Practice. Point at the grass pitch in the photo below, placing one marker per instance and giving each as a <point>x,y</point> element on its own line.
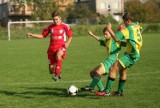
<point>26,83</point>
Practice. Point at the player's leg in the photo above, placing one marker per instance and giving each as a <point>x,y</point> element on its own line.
<point>51,68</point>
<point>96,75</point>
<point>106,65</point>
<point>111,67</point>
<point>124,63</point>
<point>58,66</point>
<point>122,81</point>
<point>112,75</point>
<point>51,63</point>
<point>110,81</point>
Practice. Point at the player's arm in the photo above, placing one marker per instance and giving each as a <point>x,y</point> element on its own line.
<point>69,35</point>
<point>31,35</point>
<point>109,28</point>
<point>68,42</point>
<point>45,32</point>
<point>93,35</point>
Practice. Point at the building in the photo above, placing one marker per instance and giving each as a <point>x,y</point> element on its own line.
<point>20,12</point>
<point>105,7</point>
<point>13,11</point>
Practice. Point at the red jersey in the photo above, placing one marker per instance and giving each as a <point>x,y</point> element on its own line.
<point>58,34</point>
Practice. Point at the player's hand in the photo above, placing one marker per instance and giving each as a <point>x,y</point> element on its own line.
<point>29,35</point>
<point>109,26</point>
<point>66,45</point>
<point>90,33</point>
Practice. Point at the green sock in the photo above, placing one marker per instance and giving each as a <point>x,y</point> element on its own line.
<point>94,82</point>
<point>100,85</point>
<point>121,86</point>
<point>109,84</point>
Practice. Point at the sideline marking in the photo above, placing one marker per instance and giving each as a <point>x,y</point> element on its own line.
<point>76,81</point>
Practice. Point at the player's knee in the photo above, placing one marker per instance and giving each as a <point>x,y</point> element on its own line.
<point>123,75</point>
<point>99,73</point>
<point>111,68</point>
<point>59,55</point>
<point>114,68</point>
<point>92,73</point>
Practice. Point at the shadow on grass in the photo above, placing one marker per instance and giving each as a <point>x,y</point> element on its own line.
<point>13,93</point>
<point>33,92</point>
<point>59,92</point>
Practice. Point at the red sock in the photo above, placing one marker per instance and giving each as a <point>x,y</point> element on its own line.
<point>58,67</point>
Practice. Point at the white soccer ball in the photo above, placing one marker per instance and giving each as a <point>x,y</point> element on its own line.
<point>72,90</point>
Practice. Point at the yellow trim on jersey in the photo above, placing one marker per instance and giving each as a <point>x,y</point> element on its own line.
<point>125,33</point>
<point>103,67</point>
<point>121,63</point>
<point>108,45</point>
<point>128,48</point>
<point>117,56</point>
<point>118,44</point>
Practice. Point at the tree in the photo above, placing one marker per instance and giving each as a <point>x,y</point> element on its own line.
<point>137,10</point>
<point>43,9</point>
<point>147,11</point>
<point>153,9</point>
<point>80,11</point>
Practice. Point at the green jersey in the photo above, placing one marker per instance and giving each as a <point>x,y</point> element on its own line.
<point>113,49</point>
<point>133,37</point>
<point>112,46</point>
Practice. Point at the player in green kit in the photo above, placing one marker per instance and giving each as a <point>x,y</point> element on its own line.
<point>113,49</point>
<point>132,35</point>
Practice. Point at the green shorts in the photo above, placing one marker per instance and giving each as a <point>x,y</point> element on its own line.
<point>109,62</point>
<point>127,61</point>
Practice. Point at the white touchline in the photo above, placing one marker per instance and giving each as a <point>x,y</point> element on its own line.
<point>78,81</point>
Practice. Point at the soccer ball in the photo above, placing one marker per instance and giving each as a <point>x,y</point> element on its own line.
<point>72,90</point>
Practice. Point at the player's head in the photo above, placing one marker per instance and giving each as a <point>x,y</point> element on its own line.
<point>106,33</point>
<point>56,17</point>
<point>127,18</point>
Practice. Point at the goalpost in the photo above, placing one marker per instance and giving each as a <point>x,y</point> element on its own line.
<point>23,22</point>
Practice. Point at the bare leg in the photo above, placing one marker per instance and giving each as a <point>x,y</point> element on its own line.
<point>51,69</point>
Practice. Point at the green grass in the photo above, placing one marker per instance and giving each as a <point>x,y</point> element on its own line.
<point>26,83</point>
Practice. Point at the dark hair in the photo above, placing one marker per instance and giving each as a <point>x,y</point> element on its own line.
<point>127,16</point>
<point>55,13</point>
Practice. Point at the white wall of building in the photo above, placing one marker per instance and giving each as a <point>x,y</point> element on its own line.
<point>3,1</point>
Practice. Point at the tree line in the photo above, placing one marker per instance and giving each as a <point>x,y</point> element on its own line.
<point>145,12</point>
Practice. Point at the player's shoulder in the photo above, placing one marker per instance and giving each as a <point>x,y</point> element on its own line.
<point>124,31</point>
<point>65,25</point>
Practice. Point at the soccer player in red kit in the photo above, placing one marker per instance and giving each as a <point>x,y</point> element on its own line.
<point>57,49</point>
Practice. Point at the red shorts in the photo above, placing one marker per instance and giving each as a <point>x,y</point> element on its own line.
<point>52,55</point>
